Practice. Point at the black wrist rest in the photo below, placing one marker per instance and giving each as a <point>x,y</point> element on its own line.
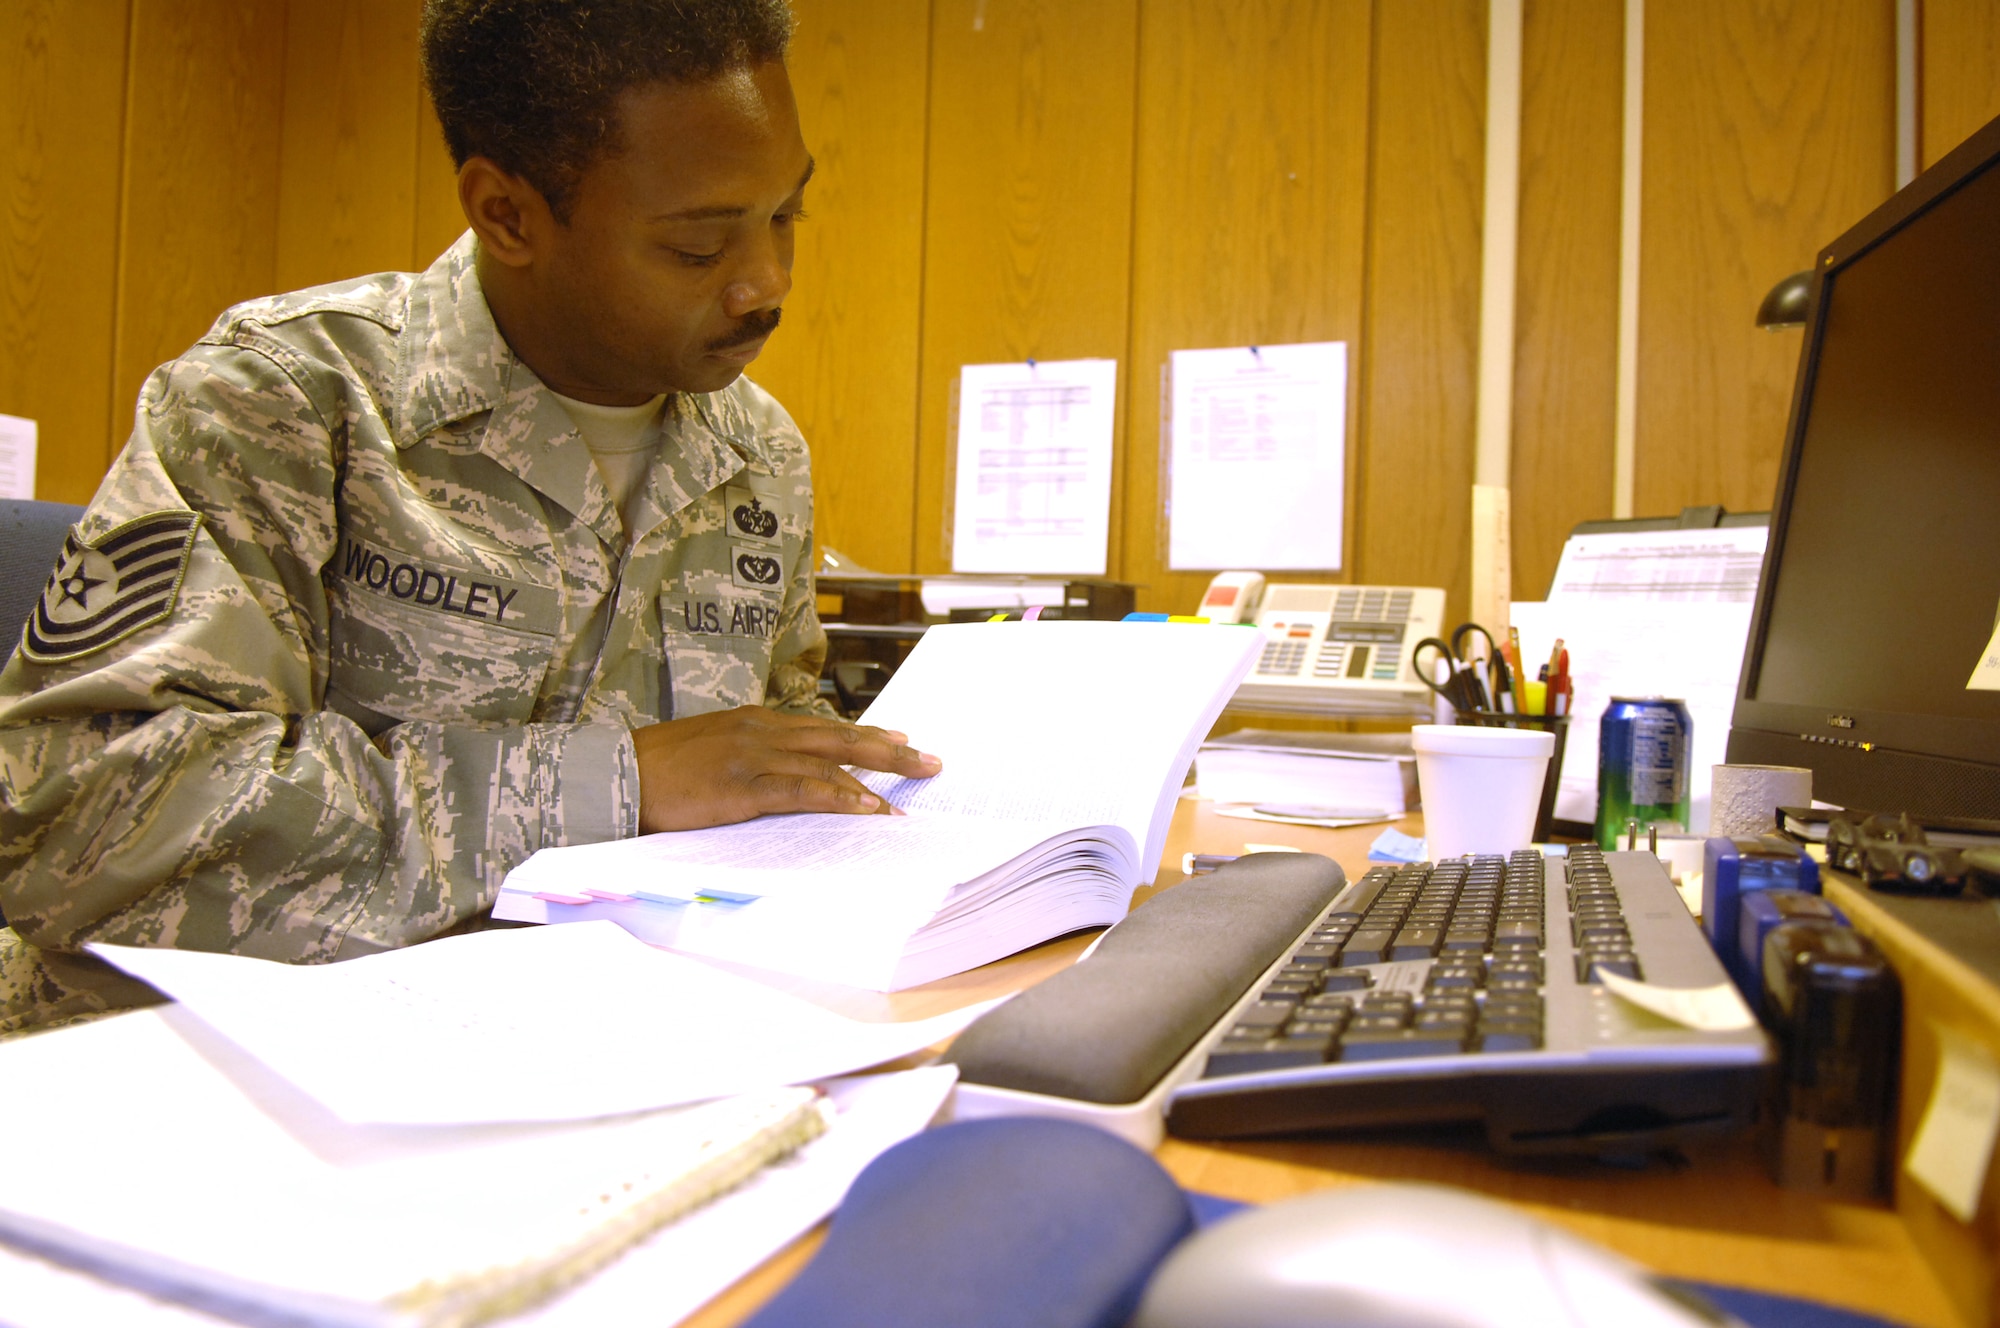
<point>1106,1029</point>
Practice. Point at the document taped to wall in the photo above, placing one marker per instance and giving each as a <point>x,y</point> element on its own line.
<point>1257,457</point>
<point>1032,491</point>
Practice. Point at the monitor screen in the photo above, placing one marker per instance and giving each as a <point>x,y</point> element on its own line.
<point>1881,584</point>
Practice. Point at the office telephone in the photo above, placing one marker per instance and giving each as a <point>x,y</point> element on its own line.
<point>1336,650</point>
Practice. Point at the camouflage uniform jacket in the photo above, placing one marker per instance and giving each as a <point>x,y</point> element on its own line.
<point>352,627</point>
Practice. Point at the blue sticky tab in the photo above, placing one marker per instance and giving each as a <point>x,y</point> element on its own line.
<point>1395,846</point>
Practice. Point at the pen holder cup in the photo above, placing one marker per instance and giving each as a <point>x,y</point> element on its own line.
<point>1556,724</point>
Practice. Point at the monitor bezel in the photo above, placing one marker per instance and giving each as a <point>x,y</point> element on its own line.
<point>1812,734</point>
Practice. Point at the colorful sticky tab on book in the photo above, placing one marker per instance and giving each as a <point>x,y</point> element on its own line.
<point>551,897</point>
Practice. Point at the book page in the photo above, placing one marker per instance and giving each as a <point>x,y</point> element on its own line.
<point>918,858</point>
<point>1087,723</point>
<point>536,1024</point>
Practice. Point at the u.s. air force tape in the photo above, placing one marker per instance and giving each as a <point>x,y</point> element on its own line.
<point>103,591</point>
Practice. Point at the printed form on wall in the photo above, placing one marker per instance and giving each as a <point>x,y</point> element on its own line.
<point>1257,457</point>
<point>17,457</point>
<point>1033,487</point>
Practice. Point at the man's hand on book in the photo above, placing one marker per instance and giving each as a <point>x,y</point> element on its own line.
<point>731,765</point>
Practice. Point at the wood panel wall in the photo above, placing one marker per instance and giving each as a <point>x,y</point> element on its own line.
<point>1002,179</point>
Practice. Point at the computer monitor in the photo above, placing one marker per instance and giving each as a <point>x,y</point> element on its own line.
<point>1881,581</point>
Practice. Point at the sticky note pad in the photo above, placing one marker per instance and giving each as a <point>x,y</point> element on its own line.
<point>1717,1009</point>
<point>1954,1145</point>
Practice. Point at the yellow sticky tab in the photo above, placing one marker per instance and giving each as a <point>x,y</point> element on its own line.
<point>1954,1145</point>
<point>1986,673</point>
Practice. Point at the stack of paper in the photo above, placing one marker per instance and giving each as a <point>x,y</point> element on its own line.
<point>423,1137</point>
<point>1345,775</point>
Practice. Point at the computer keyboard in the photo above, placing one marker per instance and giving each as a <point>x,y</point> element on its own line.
<point>1468,990</point>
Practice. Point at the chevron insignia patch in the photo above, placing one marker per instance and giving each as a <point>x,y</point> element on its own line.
<point>104,591</point>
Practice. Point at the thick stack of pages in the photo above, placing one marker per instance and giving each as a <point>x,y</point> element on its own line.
<point>186,1171</point>
<point>1064,746</point>
<point>1345,774</point>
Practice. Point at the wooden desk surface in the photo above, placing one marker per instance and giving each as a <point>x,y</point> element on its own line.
<point>1717,1218</point>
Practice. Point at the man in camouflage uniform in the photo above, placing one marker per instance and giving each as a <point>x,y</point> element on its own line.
<point>356,623</point>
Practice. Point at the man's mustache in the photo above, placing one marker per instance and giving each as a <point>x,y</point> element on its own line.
<point>755,327</point>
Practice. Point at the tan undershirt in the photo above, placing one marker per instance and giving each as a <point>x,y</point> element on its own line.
<point>621,440</point>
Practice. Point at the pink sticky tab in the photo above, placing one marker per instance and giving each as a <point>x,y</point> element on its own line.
<point>609,896</point>
<point>549,898</point>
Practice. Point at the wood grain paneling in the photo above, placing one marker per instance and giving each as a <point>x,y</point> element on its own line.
<point>1566,300</point>
<point>199,214</point>
<point>348,167</point>
<point>62,99</point>
<point>1028,209</point>
<point>845,364</point>
<point>1770,129</point>
<point>1959,72</point>
<point>1250,213</point>
<point>1420,351</point>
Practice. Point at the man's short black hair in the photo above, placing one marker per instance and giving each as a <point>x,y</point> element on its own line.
<point>533,84</point>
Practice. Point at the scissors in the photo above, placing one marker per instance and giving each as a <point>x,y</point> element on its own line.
<point>1462,686</point>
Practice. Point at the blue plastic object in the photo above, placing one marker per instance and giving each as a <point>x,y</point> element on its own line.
<point>1757,913</point>
<point>1020,1220</point>
<point>1732,868</point>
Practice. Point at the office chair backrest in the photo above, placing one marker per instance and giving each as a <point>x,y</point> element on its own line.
<point>31,538</point>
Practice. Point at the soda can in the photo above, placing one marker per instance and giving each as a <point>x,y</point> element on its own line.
<point>1643,745</point>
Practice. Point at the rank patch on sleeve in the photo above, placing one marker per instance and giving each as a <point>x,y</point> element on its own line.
<point>104,591</point>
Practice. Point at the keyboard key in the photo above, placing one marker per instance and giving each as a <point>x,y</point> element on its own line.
<point>1622,962</point>
<point>1352,979</point>
<point>1366,947</point>
<point>1378,1022</point>
<point>1285,988</point>
<point>1269,1015</point>
<point>1525,1037</point>
<point>1227,1059</point>
<point>1416,943</point>
<point>1398,1044</point>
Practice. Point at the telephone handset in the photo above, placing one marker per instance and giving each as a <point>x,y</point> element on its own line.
<point>1232,597</point>
<point>1330,649</point>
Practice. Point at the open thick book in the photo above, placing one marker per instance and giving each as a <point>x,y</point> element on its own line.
<point>1064,746</point>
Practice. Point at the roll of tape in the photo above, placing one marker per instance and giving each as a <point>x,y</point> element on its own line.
<point>1746,798</point>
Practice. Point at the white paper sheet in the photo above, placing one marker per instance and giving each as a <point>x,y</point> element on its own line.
<point>1953,1147</point>
<point>1720,565</point>
<point>1692,651</point>
<point>662,1280</point>
<point>534,1024</point>
<point>1034,466</point>
<point>1258,457</point>
<point>17,457</point>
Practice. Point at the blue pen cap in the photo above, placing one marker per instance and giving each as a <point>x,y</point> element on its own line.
<point>1760,911</point>
<point>1732,868</point>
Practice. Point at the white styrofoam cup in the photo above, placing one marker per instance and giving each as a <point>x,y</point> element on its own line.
<point>1481,786</point>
